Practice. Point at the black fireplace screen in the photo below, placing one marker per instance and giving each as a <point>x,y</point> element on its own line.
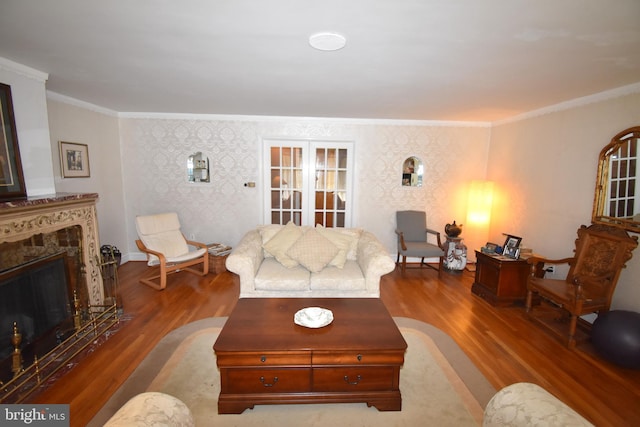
<point>35,295</point>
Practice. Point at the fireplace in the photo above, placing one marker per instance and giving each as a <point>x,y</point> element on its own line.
<point>51,286</point>
<point>24,219</point>
<point>35,297</point>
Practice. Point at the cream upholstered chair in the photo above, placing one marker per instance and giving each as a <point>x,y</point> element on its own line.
<point>166,247</point>
<point>412,232</point>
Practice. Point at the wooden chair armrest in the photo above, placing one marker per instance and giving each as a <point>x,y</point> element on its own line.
<point>537,264</point>
<point>196,244</point>
<point>437,234</point>
<point>401,236</point>
<point>146,250</point>
<point>536,260</point>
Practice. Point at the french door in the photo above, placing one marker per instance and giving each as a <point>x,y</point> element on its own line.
<point>308,182</point>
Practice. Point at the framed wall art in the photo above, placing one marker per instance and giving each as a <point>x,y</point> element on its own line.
<point>11,178</point>
<point>74,160</point>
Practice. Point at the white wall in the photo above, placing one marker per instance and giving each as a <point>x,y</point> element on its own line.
<point>155,151</point>
<point>30,110</point>
<point>544,168</point>
<point>100,131</point>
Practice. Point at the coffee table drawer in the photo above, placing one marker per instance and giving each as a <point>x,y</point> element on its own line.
<point>357,358</point>
<point>355,378</point>
<point>264,359</point>
<point>265,380</point>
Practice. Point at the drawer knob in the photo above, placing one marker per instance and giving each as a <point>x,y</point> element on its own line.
<point>263,359</point>
<point>356,382</point>
<point>359,357</point>
<point>271,384</point>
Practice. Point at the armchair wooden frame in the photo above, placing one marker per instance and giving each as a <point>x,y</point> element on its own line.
<point>601,253</point>
<point>166,267</point>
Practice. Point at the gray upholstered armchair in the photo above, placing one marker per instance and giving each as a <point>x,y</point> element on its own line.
<point>413,234</point>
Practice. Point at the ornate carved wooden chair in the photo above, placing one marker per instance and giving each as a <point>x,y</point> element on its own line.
<point>413,233</point>
<point>166,247</point>
<point>601,253</point>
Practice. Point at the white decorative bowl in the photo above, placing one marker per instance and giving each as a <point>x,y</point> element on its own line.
<point>313,317</point>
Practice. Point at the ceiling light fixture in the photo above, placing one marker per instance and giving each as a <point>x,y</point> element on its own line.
<point>327,41</point>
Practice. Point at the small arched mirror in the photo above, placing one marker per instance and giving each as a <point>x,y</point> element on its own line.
<point>198,168</point>
<point>412,171</point>
<point>617,201</point>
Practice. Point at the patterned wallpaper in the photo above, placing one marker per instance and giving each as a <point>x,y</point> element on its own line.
<point>155,152</point>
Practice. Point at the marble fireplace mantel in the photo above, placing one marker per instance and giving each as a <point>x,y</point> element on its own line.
<point>21,219</point>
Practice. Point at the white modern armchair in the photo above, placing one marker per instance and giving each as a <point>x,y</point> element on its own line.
<point>167,249</point>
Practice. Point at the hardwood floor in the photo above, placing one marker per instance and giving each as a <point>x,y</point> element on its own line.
<point>505,345</point>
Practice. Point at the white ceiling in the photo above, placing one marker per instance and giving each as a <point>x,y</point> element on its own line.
<point>467,60</point>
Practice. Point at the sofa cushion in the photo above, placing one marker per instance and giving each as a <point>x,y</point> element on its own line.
<point>266,232</point>
<point>273,276</point>
<point>313,251</point>
<point>341,240</point>
<point>348,278</point>
<point>280,243</point>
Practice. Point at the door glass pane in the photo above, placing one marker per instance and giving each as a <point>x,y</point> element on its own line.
<point>342,158</point>
<point>286,184</point>
<point>331,186</point>
<point>331,159</point>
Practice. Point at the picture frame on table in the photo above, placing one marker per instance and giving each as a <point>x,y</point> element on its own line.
<point>511,248</point>
<point>11,175</point>
<point>74,160</point>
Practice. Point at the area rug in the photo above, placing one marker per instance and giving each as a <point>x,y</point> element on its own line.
<point>439,384</point>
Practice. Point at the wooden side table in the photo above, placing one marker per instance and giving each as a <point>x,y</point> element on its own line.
<point>500,280</point>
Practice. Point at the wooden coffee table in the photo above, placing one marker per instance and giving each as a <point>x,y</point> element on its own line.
<point>265,358</point>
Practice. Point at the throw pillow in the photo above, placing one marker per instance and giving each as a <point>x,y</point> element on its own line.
<point>280,243</point>
<point>313,251</point>
<point>354,233</point>
<point>342,242</point>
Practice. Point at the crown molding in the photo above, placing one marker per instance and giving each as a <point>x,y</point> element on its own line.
<point>23,70</point>
<point>53,96</point>
<point>337,120</point>
<point>574,103</point>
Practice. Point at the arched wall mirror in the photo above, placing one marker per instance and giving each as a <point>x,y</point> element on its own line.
<point>617,198</point>
<point>198,168</point>
<point>412,171</point>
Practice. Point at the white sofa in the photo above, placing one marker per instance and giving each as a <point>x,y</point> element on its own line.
<point>292,261</point>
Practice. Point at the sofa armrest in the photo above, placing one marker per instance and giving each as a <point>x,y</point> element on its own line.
<point>245,260</point>
<point>374,261</point>
<point>152,408</point>
<point>527,404</point>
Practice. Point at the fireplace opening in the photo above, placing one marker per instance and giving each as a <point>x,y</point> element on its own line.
<point>36,296</point>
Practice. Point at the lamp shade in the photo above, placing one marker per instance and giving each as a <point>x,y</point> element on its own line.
<point>479,204</point>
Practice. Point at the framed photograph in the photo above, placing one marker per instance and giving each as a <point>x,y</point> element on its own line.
<point>74,160</point>
<point>511,247</point>
<point>11,178</point>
